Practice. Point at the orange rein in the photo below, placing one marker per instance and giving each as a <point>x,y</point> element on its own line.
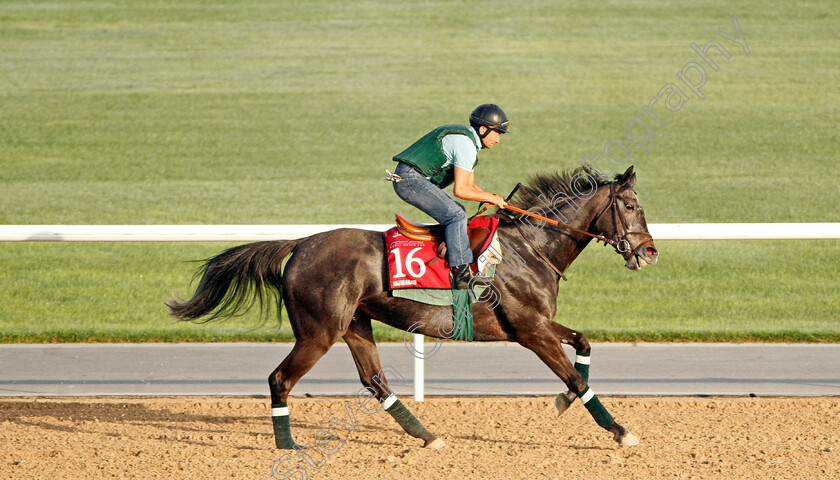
<point>555,222</point>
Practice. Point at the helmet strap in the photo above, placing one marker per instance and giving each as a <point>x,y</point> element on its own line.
<point>486,132</point>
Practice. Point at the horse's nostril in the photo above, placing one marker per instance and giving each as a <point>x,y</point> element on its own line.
<point>651,251</point>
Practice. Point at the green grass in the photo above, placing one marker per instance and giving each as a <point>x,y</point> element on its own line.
<point>712,290</point>
<point>288,112</point>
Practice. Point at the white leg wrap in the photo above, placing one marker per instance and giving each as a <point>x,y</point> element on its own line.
<point>390,400</point>
<point>582,360</point>
<point>587,395</point>
<point>280,412</point>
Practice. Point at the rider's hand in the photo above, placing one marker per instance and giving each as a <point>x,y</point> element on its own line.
<point>498,201</point>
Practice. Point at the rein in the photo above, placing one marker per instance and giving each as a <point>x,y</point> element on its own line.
<point>598,238</point>
<point>621,246</point>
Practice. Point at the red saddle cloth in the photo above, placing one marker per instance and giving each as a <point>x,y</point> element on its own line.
<point>411,263</point>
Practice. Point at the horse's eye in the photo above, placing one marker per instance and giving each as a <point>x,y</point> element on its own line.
<point>630,207</point>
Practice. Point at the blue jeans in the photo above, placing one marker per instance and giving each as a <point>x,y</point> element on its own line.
<point>417,190</point>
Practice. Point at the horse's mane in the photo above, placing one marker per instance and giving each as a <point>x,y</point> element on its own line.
<point>547,185</point>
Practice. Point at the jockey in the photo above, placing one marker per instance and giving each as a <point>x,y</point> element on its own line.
<point>447,155</point>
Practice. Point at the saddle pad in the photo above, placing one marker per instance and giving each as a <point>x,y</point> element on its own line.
<point>440,297</point>
<point>410,262</point>
<point>460,300</point>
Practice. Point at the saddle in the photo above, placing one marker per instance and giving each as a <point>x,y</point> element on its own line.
<point>435,233</point>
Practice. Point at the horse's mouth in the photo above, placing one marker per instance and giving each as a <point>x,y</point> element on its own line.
<point>641,256</point>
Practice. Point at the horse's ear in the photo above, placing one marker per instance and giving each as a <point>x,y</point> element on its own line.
<point>628,179</point>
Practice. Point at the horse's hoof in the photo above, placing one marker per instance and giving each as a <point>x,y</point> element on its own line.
<point>561,404</point>
<point>435,444</point>
<point>627,439</point>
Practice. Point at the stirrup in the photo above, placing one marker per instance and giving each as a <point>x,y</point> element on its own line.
<point>461,276</point>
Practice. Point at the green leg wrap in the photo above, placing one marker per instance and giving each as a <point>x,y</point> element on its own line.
<point>582,365</point>
<point>598,412</point>
<point>462,315</point>
<point>406,419</point>
<point>282,430</point>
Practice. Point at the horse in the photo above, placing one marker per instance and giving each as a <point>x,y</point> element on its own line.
<point>335,283</point>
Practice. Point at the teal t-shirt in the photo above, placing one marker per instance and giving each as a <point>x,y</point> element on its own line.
<point>461,150</point>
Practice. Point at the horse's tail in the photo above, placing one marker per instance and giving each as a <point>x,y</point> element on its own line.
<point>234,279</point>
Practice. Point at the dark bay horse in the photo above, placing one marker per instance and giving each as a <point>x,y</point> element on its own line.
<point>335,283</point>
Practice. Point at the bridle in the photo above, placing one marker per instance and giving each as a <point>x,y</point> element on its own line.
<point>619,242</point>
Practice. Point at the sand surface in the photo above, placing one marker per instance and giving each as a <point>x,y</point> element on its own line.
<point>211,438</point>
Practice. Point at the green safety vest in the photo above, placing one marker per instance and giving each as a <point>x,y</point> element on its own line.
<point>427,157</point>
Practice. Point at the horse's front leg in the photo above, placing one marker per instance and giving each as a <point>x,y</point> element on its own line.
<point>582,357</point>
<point>548,345</point>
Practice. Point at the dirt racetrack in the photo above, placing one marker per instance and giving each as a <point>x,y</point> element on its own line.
<point>213,438</point>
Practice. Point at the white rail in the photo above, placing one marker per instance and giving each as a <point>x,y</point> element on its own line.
<point>250,233</point>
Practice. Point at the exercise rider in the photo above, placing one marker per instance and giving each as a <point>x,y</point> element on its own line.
<point>444,156</point>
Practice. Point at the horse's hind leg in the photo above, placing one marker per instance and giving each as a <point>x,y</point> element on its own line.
<point>300,360</point>
<point>359,338</point>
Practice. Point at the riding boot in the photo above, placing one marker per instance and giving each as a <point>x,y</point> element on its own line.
<point>461,276</point>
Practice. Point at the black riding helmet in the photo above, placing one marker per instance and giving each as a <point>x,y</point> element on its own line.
<point>491,116</point>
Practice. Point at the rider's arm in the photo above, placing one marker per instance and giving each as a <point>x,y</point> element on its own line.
<point>466,189</point>
<point>461,151</point>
